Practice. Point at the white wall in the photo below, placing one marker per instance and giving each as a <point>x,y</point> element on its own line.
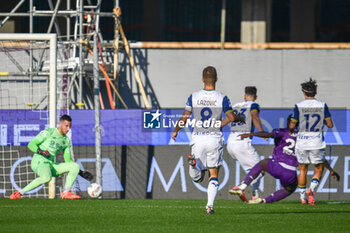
<point>277,74</point>
<point>171,75</point>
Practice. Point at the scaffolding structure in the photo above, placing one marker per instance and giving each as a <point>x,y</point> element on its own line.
<point>78,72</point>
<point>74,79</point>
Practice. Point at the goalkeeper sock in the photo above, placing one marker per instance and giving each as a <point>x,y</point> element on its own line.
<point>213,187</point>
<point>66,189</point>
<point>195,173</point>
<point>22,191</point>
<point>314,183</point>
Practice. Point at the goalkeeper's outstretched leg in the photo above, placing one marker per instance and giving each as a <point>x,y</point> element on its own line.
<point>44,176</point>
<point>46,171</point>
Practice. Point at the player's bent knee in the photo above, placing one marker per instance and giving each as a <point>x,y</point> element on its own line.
<point>75,167</point>
<point>264,163</point>
<point>45,179</point>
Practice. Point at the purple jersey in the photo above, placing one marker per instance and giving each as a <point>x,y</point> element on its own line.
<point>284,151</point>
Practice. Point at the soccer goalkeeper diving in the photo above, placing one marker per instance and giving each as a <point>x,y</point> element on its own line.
<point>46,145</point>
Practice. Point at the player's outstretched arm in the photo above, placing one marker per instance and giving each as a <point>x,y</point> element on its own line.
<point>180,124</point>
<point>334,174</point>
<point>256,120</point>
<point>257,134</point>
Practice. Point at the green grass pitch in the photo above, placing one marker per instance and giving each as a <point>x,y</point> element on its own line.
<point>42,215</point>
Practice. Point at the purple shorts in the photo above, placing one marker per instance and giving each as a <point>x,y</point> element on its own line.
<point>285,176</point>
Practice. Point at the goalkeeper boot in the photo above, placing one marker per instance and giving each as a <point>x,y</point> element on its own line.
<point>191,160</point>
<point>210,210</point>
<point>69,195</point>
<point>256,201</point>
<point>239,192</point>
<point>310,195</point>
<point>15,195</point>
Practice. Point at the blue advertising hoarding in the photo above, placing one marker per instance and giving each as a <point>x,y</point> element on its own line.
<point>142,127</point>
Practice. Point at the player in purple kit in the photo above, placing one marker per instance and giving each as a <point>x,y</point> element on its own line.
<point>282,166</point>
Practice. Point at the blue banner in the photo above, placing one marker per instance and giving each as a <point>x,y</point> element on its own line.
<point>142,127</point>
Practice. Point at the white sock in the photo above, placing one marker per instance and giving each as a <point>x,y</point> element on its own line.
<point>213,187</point>
<point>256,183</point>
<point>255,189</point>
<point>21,191</point>
<point>314,184</point>
<point>302,193</point>
<point>66,189</point>
<point>255,193</point>
<point>243,186</point>
<point>195,173</point>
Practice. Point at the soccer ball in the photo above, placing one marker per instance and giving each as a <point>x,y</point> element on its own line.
<point>94,190</point>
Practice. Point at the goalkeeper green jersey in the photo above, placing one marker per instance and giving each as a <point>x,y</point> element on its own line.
<point>52,141</point>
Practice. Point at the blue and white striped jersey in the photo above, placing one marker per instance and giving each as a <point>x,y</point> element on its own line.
<point>207,107</point>
<point>244,108</point>
<point>310,114</point>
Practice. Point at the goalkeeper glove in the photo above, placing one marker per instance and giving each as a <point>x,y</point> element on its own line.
<point>44,153</point>
<point>86,175</point>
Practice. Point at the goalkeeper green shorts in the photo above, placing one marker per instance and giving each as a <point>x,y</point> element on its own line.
<point>39,162</point>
